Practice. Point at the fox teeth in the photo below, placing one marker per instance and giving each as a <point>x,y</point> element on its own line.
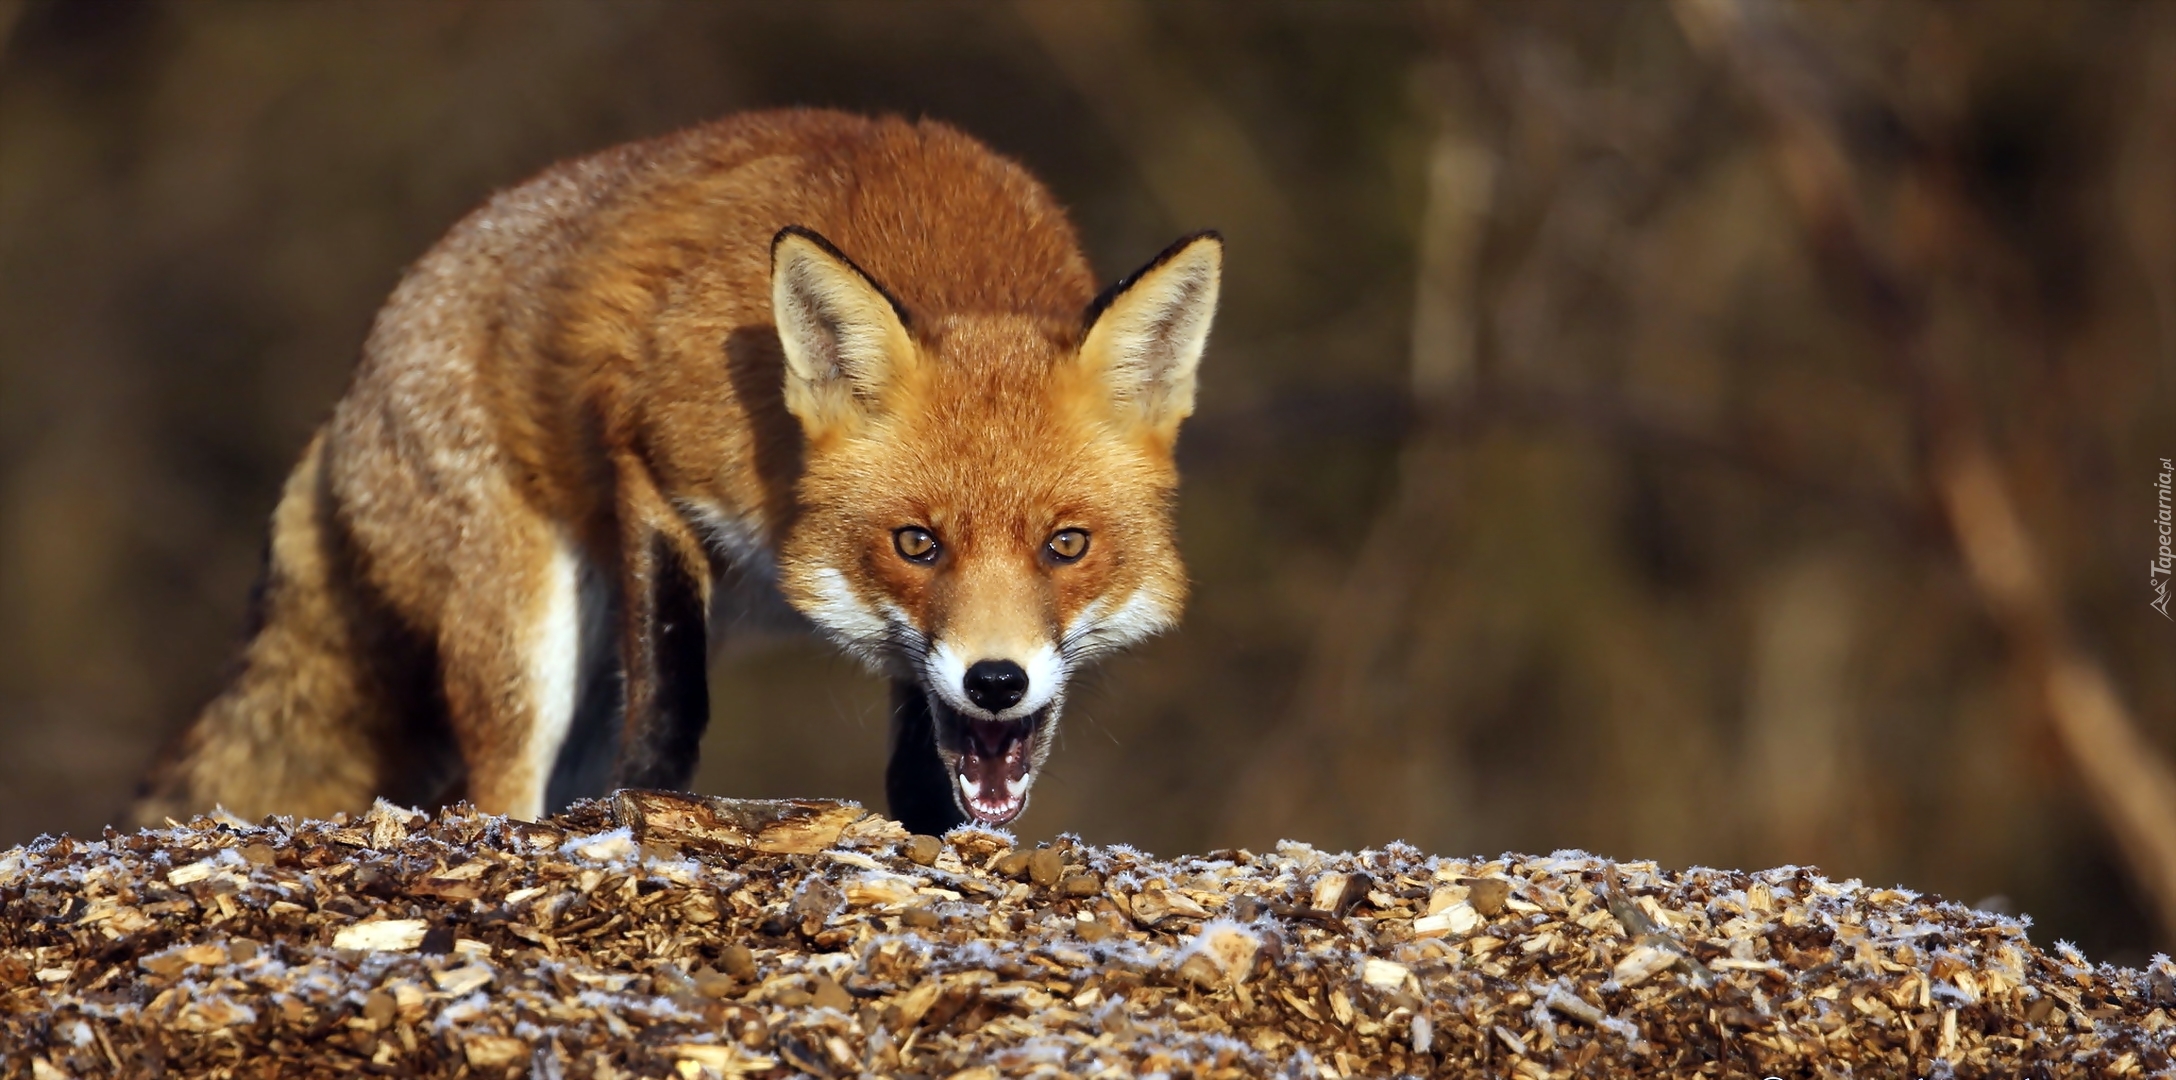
<point>990,809</point>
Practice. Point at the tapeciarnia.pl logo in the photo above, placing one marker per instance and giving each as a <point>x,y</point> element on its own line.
<point>2164,560</point>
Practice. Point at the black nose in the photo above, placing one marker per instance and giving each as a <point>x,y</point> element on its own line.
<point>996,685</point>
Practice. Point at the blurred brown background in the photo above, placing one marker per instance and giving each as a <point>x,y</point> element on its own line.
<point>1594,447</point>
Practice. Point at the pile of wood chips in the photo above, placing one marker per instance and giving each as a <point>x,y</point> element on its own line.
<point>660,934</point>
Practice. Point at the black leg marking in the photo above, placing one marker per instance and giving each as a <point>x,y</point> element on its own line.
<point>916,783</point>
<point>668,689</point>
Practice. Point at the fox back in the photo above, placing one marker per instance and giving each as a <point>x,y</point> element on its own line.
<point>859,363</point>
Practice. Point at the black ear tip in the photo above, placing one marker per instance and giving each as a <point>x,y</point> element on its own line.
<point>1184,244</point>
<point>1169,253</point>
<point>802,231</point>
<point>832,250</point>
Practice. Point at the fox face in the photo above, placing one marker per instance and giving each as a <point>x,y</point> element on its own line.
<point>986,500</point>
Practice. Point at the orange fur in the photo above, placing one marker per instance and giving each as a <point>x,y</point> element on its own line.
<point>578,409</point>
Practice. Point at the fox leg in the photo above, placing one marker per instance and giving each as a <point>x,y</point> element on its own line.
<point>917,785</point>
<point>665,585</point>
<point>511,664</point>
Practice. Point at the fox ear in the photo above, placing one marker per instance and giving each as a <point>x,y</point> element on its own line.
<point>1146,333</point>
<point>844,337</point>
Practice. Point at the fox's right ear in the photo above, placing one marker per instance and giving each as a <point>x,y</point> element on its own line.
<point>844,337</point>
<point>1146,335</point>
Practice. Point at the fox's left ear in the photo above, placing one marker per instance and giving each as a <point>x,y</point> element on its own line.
<point>1146,334</point>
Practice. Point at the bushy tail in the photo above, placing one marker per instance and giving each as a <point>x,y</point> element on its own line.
<point>308,724</point>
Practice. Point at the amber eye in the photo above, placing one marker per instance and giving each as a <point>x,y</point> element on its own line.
<point>915,544</point>
<point>1068,545</point>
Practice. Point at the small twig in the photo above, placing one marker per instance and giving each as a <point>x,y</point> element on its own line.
<point>1643,931</point>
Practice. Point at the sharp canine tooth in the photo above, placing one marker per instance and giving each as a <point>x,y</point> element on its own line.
<point>967,788</point>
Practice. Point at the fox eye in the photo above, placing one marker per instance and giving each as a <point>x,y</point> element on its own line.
<point>915,544</point>
<point>1067,545</point>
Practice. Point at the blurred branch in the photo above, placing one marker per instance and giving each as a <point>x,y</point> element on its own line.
<point>1454,224</point>
<point>1386,415</point>
<point>1649,428</point>
<point>2142,182</point>
<point>1354,704</point>
<point>2131,786</point>
<point>1336,722</point>
<point>11,16</point>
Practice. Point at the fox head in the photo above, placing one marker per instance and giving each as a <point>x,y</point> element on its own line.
<point>986,499</point>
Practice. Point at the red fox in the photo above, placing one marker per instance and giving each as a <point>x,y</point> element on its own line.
<point>860,363</point>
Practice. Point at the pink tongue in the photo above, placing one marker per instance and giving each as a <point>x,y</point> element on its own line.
<point>996,752</point>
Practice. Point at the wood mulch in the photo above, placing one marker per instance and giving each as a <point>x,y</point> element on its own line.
<point>670,935</point>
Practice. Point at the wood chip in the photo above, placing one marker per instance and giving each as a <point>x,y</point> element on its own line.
<point>1459,918</point>
<point>1230,948</point>
<point>1152,906</point>
<point>1384,974</point>
<point>883,892</point>
<point>698,823</point>
<point>463,980</point>
<point>1487,895</point>
<point>728,1060</point>
<point>1012,864</point>
<point>923,850</point>
<point>1641,964</point>
<point>1045,866</point>
<point>1336,893</point>
<point>385,935</point>
<point>826,993</point>
<point>493,1051</point>
<point>739,961</point>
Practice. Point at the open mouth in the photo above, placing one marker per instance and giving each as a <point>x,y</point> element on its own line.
<point>993,763</point>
